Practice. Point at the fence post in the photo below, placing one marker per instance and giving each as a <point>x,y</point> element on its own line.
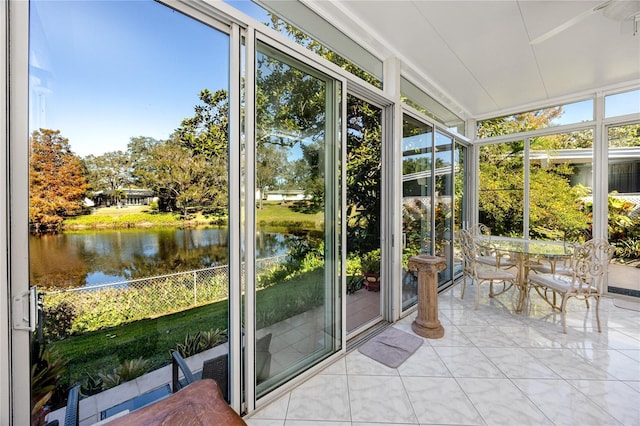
<point>195,294</point>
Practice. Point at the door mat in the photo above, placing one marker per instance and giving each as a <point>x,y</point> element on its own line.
<point>392,347</point>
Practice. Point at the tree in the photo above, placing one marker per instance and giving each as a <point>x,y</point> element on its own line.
<point>555,207</point>
<point>109,173</point>
<point>57,181</point>
<point>181,179</point>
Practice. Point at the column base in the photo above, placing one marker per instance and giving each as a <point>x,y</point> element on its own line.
<point>433,331</point>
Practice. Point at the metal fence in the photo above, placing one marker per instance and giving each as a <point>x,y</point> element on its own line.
<point>94,307</point>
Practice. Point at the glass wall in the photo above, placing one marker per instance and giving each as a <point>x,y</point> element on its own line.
<point>443,197</point>
<point>460,206</point>
<point>560,186</point>
<point>128,199</point>
<point>417,189</point>
<point>297,299</point>
<point>501,188</point>
<point>624,208</point>
<point>364,202</point>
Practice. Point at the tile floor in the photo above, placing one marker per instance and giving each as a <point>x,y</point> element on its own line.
<point>492,367</point>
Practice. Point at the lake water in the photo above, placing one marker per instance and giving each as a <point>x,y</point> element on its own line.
<point>77,259</point>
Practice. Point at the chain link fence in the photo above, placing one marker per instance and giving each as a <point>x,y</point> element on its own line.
<point>83,309</point>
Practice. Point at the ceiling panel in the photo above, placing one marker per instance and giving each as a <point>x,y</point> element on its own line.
<point>479,53</point>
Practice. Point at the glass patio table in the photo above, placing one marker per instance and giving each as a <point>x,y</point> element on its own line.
<point>526,253</point>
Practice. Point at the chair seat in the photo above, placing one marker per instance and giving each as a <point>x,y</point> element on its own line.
<point>560,283</point>
<point>493,261</point>
<point>545,268</point>
<point>495,274</point>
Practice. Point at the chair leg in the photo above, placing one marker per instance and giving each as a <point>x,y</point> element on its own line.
<point>464,284</point>
<point>563,312</point>
<point>478,295</point>
<point>598,313</point>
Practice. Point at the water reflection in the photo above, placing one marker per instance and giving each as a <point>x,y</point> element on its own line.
<point>88,258</point>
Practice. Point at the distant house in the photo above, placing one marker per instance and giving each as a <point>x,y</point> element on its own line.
<point>133,197</point>
<point>286,195</point>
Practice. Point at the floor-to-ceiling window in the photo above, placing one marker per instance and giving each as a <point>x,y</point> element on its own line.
<point>297,307</point>
<point>417,202</point>
<point>501,188</point>
<point>364,215</point>
<point>128,198</point>
<point>443,203</point>
<point>623,207</point>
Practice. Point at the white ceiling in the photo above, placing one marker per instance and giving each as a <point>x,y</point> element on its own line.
<point>477,56</point>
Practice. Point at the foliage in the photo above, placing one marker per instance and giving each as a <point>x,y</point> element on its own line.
<point>59,320</point>
<point>91,386</point>
<point>128,370</point>
<point>354,283</point>
<point>363,175</point>
<point>371,262</point>
<point>102,308</point>
<point>201,341</point>
<point>47,367</point>
<point>109,173</point>
<point>556,209</point>
<point>57,181</point>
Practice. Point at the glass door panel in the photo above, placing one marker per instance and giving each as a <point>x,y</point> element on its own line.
<point>128,158</point>
<point>624,209</point>
<point>297,291</point>
<point>459,201</point>
<point>417,184</point>
<point>501,193</point>
<point>560,186</point>
<point>443,197</point>
<point>364,182</point>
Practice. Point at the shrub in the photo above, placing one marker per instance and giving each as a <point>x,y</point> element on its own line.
<point>58,320</point>
<point>46,370</point>
<point>126,371</point>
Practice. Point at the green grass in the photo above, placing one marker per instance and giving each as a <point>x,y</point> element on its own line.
<point>273,214</point>
<point>103,350</point>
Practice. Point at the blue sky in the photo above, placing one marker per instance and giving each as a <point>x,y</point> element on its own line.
<point>100,74</point>
<point>105,75</point>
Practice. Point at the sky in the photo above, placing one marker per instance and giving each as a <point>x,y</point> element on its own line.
<point>101,75</point>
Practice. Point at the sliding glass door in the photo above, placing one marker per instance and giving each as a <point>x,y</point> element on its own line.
<point>297,309</point>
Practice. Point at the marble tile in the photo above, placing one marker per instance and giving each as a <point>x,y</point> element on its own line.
<point>633,354</point>
<point>563,404</point>
<point>568,365</point>
<point>500,402</point>
<point>314,423</point>
<point>518,363</point>
<point>379,399</point>
<point>321,398</point>
<point>467,362</point>
<point>486,337</point>
<point>617,398</point>
<point>363,365</point>
<point>614,363</point>
<point>452,337</point>
<point>262,422</point>
<point>633,385</point>
<point>440,401</point>
<point>424,362</point>
<point>338,367</point>
<point>275,410</point>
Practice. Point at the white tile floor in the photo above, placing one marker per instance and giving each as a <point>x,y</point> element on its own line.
<point>492,367</point>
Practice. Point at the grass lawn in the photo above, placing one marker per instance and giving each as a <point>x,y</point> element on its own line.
<point>103,350</point>
<point>273,214</point>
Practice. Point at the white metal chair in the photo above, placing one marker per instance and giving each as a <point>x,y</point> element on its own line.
<point>482,273</point>
<point>486,256</point>
<point>589,264</point>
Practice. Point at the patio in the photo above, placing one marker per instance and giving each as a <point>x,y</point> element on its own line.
<point>493,367</point>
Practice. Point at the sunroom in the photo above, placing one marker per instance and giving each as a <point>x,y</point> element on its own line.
<point>299,153</point>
